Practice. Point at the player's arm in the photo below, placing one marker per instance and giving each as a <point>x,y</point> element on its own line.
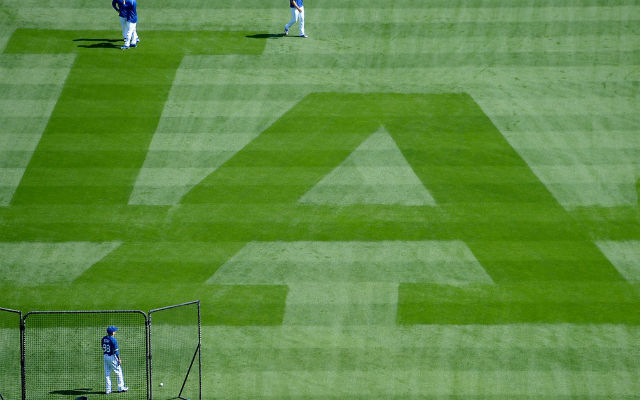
<point>117,350</point>
<point>295,4</point>
<point>114,4</point>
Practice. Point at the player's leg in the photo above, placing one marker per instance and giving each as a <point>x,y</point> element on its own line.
<point>107,374</point>
<point>134,34</point>
<point>301,18</point>
<point>127,39</point>
<point>120,376</point>
<point>294,19</point>
<point>123,23</point>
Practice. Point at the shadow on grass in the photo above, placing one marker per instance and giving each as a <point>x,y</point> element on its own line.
<point>76,392</point>
<point>101,43</point>
<point>266,36</point>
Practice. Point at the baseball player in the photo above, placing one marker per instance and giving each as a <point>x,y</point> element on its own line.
<point>297,13</point>
<point>131,11</point>
<point>119,7</point>
<point>112,361</point>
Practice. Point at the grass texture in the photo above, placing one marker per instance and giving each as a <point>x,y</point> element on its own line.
<point>422,200</point>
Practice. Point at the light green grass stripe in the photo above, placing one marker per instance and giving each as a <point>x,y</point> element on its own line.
<point>459,358</point>
<point>6,30</point>
<point>341,304</point>
<point>213,108</point>
<point>625,256</point>
<point>256,4</point>
<point>558,105</point>
<point>33,63</point>
<point>32,76</point>
<point>25,108</point>
<point>385,382</point>
<point>418,78</point>
<point>183,162</point>
<point>566,156</point>
<point>9,180</point>
<point>548,47</point>
<point>608,140</point>
<point>442,57</point>
<point>18,141</point>
<point>200,141</point>
<point>29,263</point>
<point>291,262</point>
<point>54,17</point>
<point>531,336</point>
<point>376,172</point>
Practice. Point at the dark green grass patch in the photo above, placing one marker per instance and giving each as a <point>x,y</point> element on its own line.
<point>535,302</point>
<point>168,43</point>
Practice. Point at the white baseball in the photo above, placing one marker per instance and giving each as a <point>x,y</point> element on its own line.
<point>161,384</point>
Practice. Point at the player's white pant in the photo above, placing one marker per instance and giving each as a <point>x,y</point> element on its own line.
<point>132,35</point>
<point>111,365</point>
<point>295,16</point>
<point>123,23</point>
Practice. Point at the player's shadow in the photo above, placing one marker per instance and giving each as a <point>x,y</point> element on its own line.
<point>75,392</point>
<point>100,43</point>
<point>266,36</point>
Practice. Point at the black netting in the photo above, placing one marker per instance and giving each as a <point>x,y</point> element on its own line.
<point>10,380</point>
<point>175,345</point>
<point>63,354</point>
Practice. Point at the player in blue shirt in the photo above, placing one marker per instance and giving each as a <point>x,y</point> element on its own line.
<point>112,361</point>
<point>297,13</point>
<point>119,7</point>
<point>131,11</point>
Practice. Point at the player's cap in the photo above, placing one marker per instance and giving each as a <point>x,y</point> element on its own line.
<point>111,329</point>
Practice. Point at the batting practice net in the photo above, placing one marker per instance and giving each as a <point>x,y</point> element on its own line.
<point>63,354</point>
<point>58,354</point>
<point>175,342</point>
<point>10,354</point>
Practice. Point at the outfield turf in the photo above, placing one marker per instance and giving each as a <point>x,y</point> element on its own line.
<point>423,200</point>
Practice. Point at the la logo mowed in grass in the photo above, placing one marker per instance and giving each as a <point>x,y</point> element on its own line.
<point>384,172</point>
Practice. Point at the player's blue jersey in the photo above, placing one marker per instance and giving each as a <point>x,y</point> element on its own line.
<point>119,7</point>
<point>131,8</point>
<point>298,2</point>
<point>110,346</point>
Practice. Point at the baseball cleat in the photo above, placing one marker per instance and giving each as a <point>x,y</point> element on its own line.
<point>124,389</point>
<point>304,36</point>
<point>286,31</point>
<point>124,47</point>
<point>134,45</point>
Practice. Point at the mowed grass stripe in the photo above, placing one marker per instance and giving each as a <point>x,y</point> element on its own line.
<point>342,262</point>
<point>441,57</point>
<point>418,382</point>
<point>509,356</point>
<point>219,4</point>
<point>559,337</point>
<point>435,20</point>
<point>385,79</point>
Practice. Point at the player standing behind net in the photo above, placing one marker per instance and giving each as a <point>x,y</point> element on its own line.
<point>131,10</point>
<point>112,361</point>
<point>297,13</point>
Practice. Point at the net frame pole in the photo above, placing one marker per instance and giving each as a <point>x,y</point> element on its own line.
<point>23,388</point>
<point>198,349</point>
<point>23,329</point>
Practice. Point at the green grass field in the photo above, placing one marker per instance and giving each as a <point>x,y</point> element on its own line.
<point>423,200</point>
